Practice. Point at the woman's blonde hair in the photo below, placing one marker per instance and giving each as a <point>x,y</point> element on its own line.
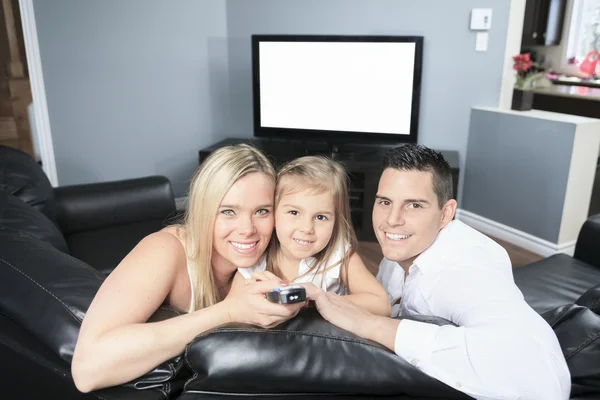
<point>318,174</point>
<point>210,183</point>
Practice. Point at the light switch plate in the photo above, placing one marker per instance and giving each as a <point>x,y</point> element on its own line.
<point>481,41</point>
<point>481,19</point>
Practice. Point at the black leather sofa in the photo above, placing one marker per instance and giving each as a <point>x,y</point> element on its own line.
<point>58,244</point>
<point>565,290</point>
<point>561,279</point>
<point>56,247</point>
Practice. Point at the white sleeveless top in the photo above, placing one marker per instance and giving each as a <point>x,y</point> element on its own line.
<point>188,265</point>
<point>328,281</point>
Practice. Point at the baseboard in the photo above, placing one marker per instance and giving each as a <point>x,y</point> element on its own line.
<point>514,236</point>
<point>181,203</point>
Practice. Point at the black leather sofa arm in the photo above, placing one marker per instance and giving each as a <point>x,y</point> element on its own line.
<point>106,204</point>
<point>587,248</point>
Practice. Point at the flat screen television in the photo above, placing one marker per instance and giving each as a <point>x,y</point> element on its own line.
<point>337,88</point>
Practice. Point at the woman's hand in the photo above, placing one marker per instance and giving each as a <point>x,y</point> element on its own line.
<point>264,276</point>
<point>248,304</point>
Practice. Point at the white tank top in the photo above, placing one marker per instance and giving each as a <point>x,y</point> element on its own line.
<point>189,264</point>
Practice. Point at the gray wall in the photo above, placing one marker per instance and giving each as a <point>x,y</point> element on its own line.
<point>455,76</point>
<point>134,87</point>
<point>510,178</point>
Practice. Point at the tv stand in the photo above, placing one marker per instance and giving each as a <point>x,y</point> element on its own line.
<point>334,151</point>
<point>361,160</point>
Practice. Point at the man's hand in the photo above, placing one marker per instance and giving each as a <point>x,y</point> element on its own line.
<point>343,313</point>
<point>347,315</point>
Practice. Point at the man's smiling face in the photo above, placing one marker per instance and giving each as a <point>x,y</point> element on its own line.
<point>406,214</point>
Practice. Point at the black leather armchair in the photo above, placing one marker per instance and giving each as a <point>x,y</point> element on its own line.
<point>56,247</point>
<point>115,214</point>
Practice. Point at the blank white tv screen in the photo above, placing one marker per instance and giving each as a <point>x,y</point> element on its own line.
<point>337,86</point>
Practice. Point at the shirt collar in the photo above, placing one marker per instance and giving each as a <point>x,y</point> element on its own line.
<point>430,257</point>
<point>305,265</point>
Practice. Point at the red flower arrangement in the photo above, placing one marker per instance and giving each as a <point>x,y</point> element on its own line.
<point>525,77</point>
<point>522,62</point>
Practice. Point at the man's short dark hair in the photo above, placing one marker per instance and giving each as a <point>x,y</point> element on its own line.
<point>415,157</point>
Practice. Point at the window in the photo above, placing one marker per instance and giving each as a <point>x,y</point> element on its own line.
<point>584,32</point>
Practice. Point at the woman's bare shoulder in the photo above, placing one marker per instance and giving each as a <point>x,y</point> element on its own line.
<point>167,240</point>
<point>178,231</point>
<point>138,285</point>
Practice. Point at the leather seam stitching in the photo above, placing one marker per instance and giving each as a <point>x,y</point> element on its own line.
<point>583,345</point>
<point>559,315</point>
<point>67,257</point>
<point>280,332</point>
<point>193,377</point>
<point>596,304</point>
<point>41,287</point>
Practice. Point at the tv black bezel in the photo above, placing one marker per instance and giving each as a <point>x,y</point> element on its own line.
<point>329,135</point>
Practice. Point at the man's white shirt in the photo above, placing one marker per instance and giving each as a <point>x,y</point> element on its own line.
<point>501,348</point>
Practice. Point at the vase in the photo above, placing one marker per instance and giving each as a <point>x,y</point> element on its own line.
<point>522,100</point>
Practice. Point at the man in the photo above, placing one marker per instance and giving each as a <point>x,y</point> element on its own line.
<point>500,348</point>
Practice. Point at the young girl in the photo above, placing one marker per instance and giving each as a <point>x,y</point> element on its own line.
<point>315,243</point>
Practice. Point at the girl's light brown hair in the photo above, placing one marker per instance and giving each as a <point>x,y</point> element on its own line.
<point>318,174</point>
<point>210,183</point>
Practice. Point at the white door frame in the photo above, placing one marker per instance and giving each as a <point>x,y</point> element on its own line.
<point>516,17</point>
<point>38,90</point>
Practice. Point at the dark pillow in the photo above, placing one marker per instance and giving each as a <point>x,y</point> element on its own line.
<point>19,217</point>
<point>48,292</point>
<point>23,177</point>
<point>304,355</point>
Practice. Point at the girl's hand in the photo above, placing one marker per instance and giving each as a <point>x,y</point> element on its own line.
<point>248,304</point>
<point>312,292</point>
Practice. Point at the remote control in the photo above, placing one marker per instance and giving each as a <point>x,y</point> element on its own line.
<point>287,295</point>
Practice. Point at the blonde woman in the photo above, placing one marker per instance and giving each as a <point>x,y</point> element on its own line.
<point>189,267</point>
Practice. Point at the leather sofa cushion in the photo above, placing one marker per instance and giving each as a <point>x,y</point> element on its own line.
<point>104,248</point>
<point>591,299</point>
<point>45,291</point>
<point>100,205</point>
<point>555,281</point>
<point>19,217</point>
<point>48,292</point>
<point>198,395</point>
<point>587,249</point>
<point>47,377</point>
<point>305,355</point>
<point>22,176</point>
<point>577,328</point>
